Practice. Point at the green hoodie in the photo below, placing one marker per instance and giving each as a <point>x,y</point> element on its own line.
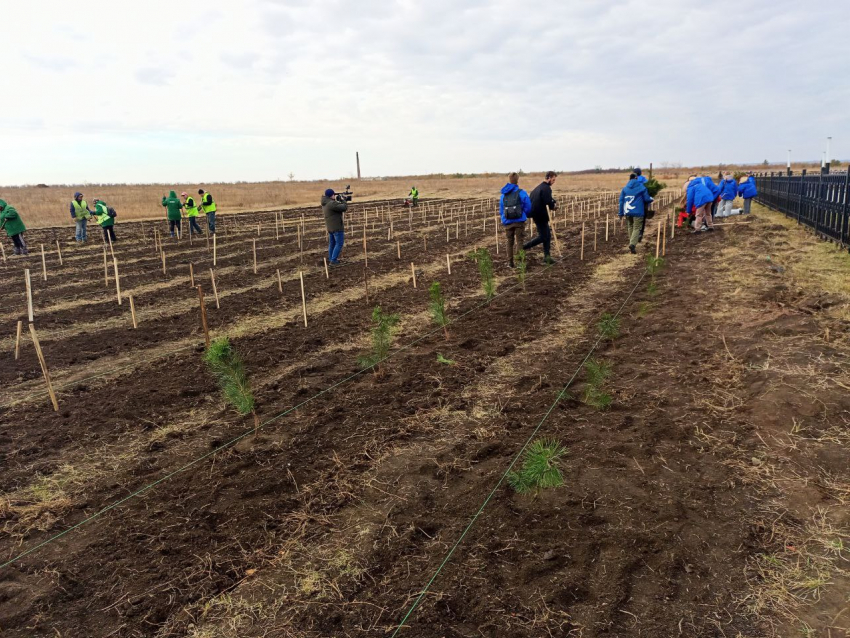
<point>172,205</point>
<point>10,220</point>
<point>101,211</point>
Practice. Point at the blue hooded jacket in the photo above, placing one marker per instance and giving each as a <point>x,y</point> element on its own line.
<point>698,194</point>
<point>523,198</point>
<point>633,199</point>
<point>710,185</point>
<point>641,179</point>
<point>728,189</point>
<point>747,190</point>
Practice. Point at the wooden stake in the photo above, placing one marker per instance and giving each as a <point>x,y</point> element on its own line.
<point>214,249</point>
<point>133,312</point>
<point>496,232</point>
<point>366,283</point>
<point>43,263</point>
<point>398,249</point>
<point>276,226</point>
<point>254,242</point>
<point>215,289</point>
<point>557,242</point>
<point>449,263</point>
<point>607,219</point>
<point>117,280</point>
<point>658,241</point>
<point>327,274</point>
<point>258,229</point>
<point>447,234</point>
<point>595,224</point>
<point>279,282</point>
<point>664,238</point>
<point>18,340</point>
<point>59,251</point>
<point>582,241</point>
<point>673,226</point>
<point>204,316</point>
<point>111,250</point>
<point>105,269</point>
<point>413,272</point>
<point>303,298</point>
<point>43,364</point>
<point>365,252</point>
<point>29,294</point>
<point>191,275</point>
<point>164,271</point>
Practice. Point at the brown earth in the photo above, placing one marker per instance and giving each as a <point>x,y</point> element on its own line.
<point>710,500</point>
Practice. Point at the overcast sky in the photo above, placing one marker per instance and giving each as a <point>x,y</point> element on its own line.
<point>201,91</point>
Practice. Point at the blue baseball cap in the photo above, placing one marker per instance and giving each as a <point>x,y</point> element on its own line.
<point>329,192</point>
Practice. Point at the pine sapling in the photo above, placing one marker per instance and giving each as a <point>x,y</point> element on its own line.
<point>382,338</point>
<point>521,267</point>
<point>485,269</point>
<point>444,361</point>
<point>437,306</point>
<point>226,365</point>
<point>597,372</point>
<point>540,468</point>
<point>653,267</point>
<point>609,327</point>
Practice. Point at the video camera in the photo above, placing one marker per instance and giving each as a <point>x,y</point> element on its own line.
<point>344,196</point>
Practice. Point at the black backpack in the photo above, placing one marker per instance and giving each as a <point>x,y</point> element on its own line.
<point>111,212</point>
<point>513,205</point>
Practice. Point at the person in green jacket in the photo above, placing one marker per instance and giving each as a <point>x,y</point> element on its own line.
<point>173,206</point>
<point>12,223</point>
<point>80,213</point>
<point>208,204</point>
<point>105,216</point>
<point>191,213</point>
<point>414,196</point>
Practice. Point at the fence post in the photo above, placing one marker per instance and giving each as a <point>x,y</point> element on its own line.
<point>818,203</point>
<point>845,222</point>
<point>802,193</point>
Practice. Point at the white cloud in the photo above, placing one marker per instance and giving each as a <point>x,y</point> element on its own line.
<point>253,90</point>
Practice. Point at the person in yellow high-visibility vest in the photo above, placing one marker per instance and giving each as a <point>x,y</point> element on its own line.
<point>414,196</point>
<point>105,216</point>
<point>80,213</point>
<point>208,204</point>
<point>191,213</point>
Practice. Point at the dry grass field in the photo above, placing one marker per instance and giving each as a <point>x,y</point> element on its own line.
<point>48,206</point>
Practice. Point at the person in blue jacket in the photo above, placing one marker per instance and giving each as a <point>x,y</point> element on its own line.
<point>715,190</point>
<point>633,200</point>
<point>747,190</point>
<point>700,198</point>
<point>514,207</point>
<point>639,175</point>
<point>728,192</point>
<point>642,180</point>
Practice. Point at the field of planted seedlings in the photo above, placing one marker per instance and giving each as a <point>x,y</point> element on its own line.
<point>227,438</point>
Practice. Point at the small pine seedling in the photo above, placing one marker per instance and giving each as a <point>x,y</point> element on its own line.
<point>597,373</point>
<point>437,306</point>
<point>609,326</point>
<point>654,265</point>
<point>382,337</point>
<point>485,269</point>
<point>226,364</point>
<point>539,468</point>
<point>521,266</point>
<point>443,360</point>
<point>653,186</point>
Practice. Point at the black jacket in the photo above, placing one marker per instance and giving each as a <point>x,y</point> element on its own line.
<point>541,197</point>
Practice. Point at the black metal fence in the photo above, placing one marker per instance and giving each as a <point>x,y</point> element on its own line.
<point>820,201</point>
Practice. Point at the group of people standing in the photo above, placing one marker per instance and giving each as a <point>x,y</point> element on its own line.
<point>103,214</point>
<point>175,208</point>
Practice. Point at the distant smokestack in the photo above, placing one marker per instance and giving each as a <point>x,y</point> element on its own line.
<point>357,153</point>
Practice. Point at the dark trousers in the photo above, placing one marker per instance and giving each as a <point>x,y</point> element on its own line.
<point>514,233</point>
<point>211,222</point>
<point>193,225</point>
<point>109,234</point>
<point>175,223</point>
<point>20,244</point>
<point>544,236</point>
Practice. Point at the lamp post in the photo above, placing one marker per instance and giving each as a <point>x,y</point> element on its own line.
<point>789,162</point>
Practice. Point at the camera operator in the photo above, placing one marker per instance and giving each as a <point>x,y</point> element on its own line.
<point>333,206</point>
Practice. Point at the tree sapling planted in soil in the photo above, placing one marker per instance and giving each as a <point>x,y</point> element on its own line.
<point>539,468</point>
<point>226,364</point>
<point>382,337</point>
